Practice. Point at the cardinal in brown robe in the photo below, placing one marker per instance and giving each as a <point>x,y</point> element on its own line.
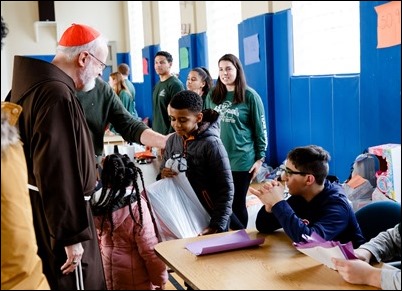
<point>60,156</point>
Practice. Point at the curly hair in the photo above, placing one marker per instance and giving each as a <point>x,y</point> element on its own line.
<point>118,173</point>
<point>187,99</point>
<point>4,30</point>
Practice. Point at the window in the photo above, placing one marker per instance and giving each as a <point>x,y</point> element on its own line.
<point>326,37</point>
<point>136,32</point>
<point>222,31</point>
<point>170,30</point>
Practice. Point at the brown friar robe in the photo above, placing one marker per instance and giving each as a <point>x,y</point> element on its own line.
<point>61,163</point>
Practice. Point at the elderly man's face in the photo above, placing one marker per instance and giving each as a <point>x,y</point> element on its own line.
<point>93,69</point>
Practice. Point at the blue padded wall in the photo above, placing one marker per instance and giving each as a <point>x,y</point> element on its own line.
<point>343,113</point>
<point>46,58</point>
<point>144,92</point>
<point>197,46</point>
<point>324,111</point>
<point>299,111</point>
<point>380,83</point>
<point>346,131</point>
<point>282,68</point>
<point>139,100</point>
<point>259,75</point>
<point>321,113</point>
<point>123,58</point>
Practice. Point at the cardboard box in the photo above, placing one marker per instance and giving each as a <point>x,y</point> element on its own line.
<point>389,175</point>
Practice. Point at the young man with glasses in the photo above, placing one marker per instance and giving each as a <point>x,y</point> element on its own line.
<point>315,204</point>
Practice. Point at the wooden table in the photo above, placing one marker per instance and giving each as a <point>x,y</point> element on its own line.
<point>274,265</point>
<point>113,139</point>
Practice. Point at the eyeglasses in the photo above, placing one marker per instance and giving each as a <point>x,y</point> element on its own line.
<point>103,65</point>
<point>290,172</point>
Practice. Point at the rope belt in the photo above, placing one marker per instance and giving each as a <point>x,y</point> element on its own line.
<point>32,187</point>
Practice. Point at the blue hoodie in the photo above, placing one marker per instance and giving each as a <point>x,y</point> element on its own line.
<point>329,214</point>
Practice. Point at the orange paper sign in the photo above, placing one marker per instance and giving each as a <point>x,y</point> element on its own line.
<point>388,24</point>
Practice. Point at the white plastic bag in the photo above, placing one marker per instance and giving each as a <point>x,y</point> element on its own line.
<point>178,212</point>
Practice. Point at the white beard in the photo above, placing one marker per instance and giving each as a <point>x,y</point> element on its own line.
<point>89,86</point>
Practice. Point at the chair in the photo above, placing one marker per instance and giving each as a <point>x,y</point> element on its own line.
<point>378,216</point>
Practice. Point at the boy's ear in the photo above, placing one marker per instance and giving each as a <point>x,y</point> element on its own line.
<point>199,117</point>
<point>310,179</point>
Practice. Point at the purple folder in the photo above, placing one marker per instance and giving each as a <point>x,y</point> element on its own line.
<point>230,241</point>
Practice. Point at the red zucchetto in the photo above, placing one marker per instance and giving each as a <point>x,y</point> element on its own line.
<point>77,35</point>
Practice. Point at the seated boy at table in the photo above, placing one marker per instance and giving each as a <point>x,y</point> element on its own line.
<point>315,204</point>
<point>197,140</point>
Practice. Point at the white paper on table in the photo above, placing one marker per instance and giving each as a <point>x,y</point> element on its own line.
<point>322,251</point>
<point>324,255</point>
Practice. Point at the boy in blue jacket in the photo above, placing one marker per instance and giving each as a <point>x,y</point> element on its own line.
<point>314,205</point>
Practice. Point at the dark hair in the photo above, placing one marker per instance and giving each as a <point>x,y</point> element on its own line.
<point>4,30</point>
<point>123,69</point>
<point>118,173</point>
<point>311,159</point>
<point>165,54</point>
<point>187,99</point>
<point>205,77</point>
<point>219,92</point>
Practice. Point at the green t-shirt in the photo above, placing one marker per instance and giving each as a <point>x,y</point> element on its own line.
<point>102,106</point>
<point>243,128</point>
<point>162,94</point>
